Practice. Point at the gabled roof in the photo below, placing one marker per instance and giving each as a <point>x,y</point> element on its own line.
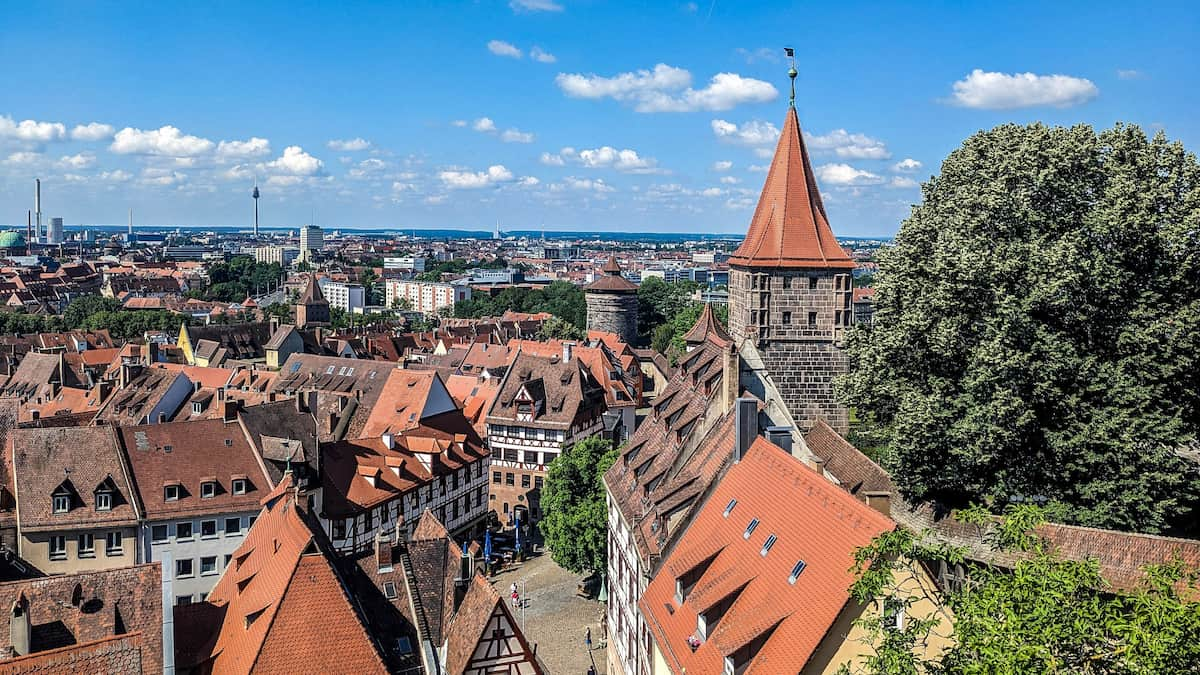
<point>280,605</point>
<point>789,227</point>
<point>312,293</point>
<point>811,520</point>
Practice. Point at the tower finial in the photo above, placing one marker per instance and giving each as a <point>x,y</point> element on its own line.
<point>791,54</point>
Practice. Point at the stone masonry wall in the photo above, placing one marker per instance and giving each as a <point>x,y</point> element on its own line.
<point>613,313</point>
<point>798,318</point>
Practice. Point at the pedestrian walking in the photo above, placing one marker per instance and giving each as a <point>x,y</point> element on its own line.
<point>587,637</point>
<point>516,599</point>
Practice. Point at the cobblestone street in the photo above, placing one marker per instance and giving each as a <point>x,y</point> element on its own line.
<point>556,616</point>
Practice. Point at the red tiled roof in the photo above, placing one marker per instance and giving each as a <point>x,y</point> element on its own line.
<point>611,281</point>
<point>705,326</point>
<point>812,520</point>
<point>789,227</point>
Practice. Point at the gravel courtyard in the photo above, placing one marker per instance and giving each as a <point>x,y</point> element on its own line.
<point>555,615</point>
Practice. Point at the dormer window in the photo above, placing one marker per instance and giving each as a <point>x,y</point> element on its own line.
<point>208,489</point>
<point>62,503</point>
<point>171,493</point>
<point>104,501</point>
<point>239,486</point>
<point>197,407</point>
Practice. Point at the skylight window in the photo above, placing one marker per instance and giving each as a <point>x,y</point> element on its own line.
<point>796,570</point>
<point>729,507</point>
<point>767,545</point>
<point>750,528</point>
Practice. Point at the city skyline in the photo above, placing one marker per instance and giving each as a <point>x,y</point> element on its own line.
<point>542,114</point>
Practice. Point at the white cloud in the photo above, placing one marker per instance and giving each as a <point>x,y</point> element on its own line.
<point>849,146</point>
<point>367,168</point>
<point>902,182</point>
<point>1001,91</point>
<point>844,174</point>
<point>83,160</point>
<point>760,54</point>
<point>284,181</point>
<point>166,141</point>
<point>528,181</point>
<point>754,132</point>
<point>154,176</point>
<point>1129,74</point>
<point>730,180</point>
<point>516,136</point>
<point>502,48</point>
<point>254,147</point>
<point>534,6</point>
<point>723,165</point>
<point>459,123</point>
<point>484,125</point>
<point>115,176</point>
<point>237,172</point>
<point>398,186</point>
<point>295,162</point>
<point>585,184</point>
<point>469,180</point>
<point>92,132</point>
<point>435,199</point>
<point>712,192</point>
<point>906,165</point>
<point>757,168</point>
<point>668,89</point>
<point>31,130</point>
<point>22,158</point>
<point>605,157</point>
<point>541,55</point>
<point>349,144</point>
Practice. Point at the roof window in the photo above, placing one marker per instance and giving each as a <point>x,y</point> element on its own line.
<point>796,570</point>
<point>729,507</point>
<point>750,528</point>
<point>767,545</point>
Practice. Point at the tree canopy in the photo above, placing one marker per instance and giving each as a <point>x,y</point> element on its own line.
<point>574,521</point>
<point>659,302</point>
<point>667,338</point>
<point>560,298</point>
<point>1044,615</point>
<point>1035,328</point>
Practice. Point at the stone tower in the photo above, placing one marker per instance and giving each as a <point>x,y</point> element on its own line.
<point>790,286</point>
<point>612,304</point>
<point>312,309</point>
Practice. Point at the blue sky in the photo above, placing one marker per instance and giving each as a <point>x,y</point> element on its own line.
<point>567,114</point>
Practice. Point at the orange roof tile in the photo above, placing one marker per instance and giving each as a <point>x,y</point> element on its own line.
<point>789,227</point>
<point>811,519</point>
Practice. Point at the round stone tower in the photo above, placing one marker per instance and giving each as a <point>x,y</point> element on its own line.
<point>612,304</point>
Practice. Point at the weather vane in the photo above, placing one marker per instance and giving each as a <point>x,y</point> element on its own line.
<point>791,54</point>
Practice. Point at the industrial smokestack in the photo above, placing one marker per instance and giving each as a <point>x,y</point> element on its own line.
<point>37,204</point>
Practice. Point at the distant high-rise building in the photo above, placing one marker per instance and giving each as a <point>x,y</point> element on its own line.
<point>283,255</point>
<point>54,231</point>
<point>312,238</point>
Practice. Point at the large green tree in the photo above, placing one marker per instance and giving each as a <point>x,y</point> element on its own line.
<point>1045,614</point>
<point>574,521</point>
<point>659,302</point>
<point>1035,329</point>
<point>667,338</point>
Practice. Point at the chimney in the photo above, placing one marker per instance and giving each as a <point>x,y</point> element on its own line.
<point>466,571</point>
<point>274,324</point>
<point>880,501</point>
<point>229,410</point>
<point>745,423</point>
<point>151,353</point>
<point>781,436</point>
<point>731,378</point>
<point>383,551</point>
<point>568,350</point>
<point>19,628</point>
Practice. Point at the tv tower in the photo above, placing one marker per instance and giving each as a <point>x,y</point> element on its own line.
<point>129,231</point>
<point>255,195</point>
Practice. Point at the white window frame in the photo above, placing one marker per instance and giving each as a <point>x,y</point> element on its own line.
<point>170,493</point>
<point>110,538</point>
<point>239,486</point>
<point>62,503</point>
<point>58,552</point>
<point>89,550</point>
<point>208,489</point>
<point>104,500</point>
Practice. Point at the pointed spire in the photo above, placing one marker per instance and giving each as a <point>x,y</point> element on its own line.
<point>312,292</point>
<point>789,227</point>
<point>705,326</point>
